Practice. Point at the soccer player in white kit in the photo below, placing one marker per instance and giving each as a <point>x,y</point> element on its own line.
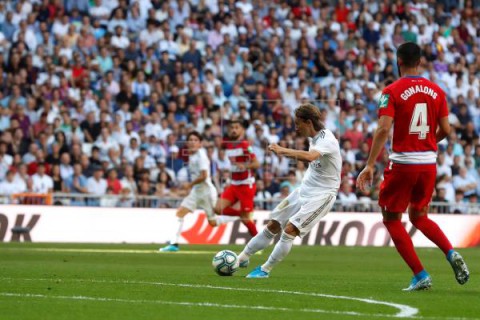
<point>203,194</point>
<point>303,208</point>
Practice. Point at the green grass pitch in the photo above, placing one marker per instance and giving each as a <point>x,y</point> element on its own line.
<point>83,281</point>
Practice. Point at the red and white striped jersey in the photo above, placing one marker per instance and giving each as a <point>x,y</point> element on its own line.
<point>240,152</point>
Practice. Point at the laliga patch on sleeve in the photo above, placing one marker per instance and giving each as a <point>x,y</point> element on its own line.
<point>383,103</point>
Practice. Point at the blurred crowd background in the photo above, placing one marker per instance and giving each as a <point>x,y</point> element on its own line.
<point>97,96</point>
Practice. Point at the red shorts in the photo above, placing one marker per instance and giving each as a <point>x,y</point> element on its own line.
<point>407,184</point>
<point>243,193</point>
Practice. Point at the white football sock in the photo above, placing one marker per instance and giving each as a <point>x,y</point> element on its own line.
<point>257,243</point>
<point>221,219</point>
<point>179,228</point>
<point>281,250</point>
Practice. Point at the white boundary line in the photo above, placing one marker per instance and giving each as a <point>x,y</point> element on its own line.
<point>404,311</point>
<point>180,303</point>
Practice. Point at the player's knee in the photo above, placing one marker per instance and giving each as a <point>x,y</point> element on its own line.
<point>212,223</point>
<point>415,215</point>
<point>291,230</point>
<point>274,226</point>
<point>417,220</point>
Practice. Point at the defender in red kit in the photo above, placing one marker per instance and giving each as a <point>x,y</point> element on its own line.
<point>242,187</point>
<point>417,110</point>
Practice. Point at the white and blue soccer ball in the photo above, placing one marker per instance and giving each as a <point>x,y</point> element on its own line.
<point>225,263</point>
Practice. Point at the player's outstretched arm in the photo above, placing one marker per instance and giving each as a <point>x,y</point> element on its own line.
<point>443,129</point>
<point>364,179</point>
<point>201,178</point>
<point>380,138</point>
<point>296,154</point>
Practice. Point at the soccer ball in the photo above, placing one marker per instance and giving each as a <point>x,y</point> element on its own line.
<point>225,263</point>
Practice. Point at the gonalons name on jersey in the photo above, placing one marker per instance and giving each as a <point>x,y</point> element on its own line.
<point>418,89</point>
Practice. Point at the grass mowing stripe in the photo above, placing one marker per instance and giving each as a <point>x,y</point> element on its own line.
<point>404,311</point>
<point>108,250</point>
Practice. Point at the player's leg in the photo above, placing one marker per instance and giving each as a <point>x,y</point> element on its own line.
<point>173,243</point>
<point>245,195</point>
<point>207,202</point>
<point>404,245</point>
<point>299,224</point>
<point>259,242</point>
<point>280,251</point>
<point>279,216</point>
<point>422,193</point>
<point>432,231</point>
<point>225,201</point>
<point>394,198</point>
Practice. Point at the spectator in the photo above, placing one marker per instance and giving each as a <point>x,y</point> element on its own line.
<point>128,181</point>
<point>42,183</point>
<point>66,170</point>
<point>263,198</point>
<point>459,206</point>
<point>285,190</point>
<point>465,183</point>
<point>473,207</point>
<point>119,40</point>
<point>77,182</point>
<point>113,183</point>
<point>153,65</point>
<point>347,197</point>
<point>440,199</point>
<point>96,184</point>
<point>11,186</point>
<point>58,185</point>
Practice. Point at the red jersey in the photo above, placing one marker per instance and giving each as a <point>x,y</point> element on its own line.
<point>416,105</point>
<point>240,152</point>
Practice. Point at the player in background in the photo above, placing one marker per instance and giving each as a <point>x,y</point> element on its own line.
<point>242,187</point>
<point>418,110</point>
<point>311,201</point>
<point>203,193</point>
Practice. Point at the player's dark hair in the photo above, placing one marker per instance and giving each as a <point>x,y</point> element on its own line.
<point>308,111</point>
<point>196,134</point>
<point>410,54</point>
<point>240,121</point>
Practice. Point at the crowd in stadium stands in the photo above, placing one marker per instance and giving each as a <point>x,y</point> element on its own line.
<point>97,96</point>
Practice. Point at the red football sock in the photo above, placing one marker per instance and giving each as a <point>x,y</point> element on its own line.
<point>229,211</point>
<point>432,231</point>
<point>404,244</point>
<point>252,228</point>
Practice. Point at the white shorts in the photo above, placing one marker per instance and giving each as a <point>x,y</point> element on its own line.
<point>202,197</point>
<point>303,213</point>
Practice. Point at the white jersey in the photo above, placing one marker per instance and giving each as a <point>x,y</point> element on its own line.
<point>323,174</point>
<point>197,163</point>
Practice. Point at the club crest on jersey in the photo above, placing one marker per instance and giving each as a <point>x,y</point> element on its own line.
<point>316,164</point>
<point>383,102</point>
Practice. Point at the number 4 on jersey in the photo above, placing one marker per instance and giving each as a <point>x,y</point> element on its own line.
<point>419,124</point>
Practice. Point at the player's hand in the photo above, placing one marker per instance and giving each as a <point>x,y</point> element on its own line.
<point>365,178</point>
<point>275,148</point>
<point>188,185</point>
<point>240,166</point>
